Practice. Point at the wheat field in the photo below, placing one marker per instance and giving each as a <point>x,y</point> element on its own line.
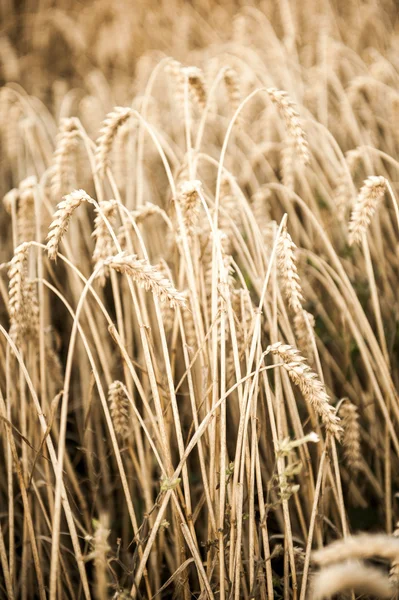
<point>199,316</point>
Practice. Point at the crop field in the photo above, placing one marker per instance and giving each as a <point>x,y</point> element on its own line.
<point>199,299</point>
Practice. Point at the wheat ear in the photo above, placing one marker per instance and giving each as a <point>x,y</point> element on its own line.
<point>360,546</point>
<point>350,575</point>
<point>148,277</point>
<point>67,140</point>
<point>26,209</point>
<point>62,217</point>
<point>104,242</point>
<point>196,82</point>
<point>288,271</point>
<point>119,409</point>
<point>394,570</point>
<point>189,200</point>
<point>302,321</point>
<point>232,84</point>
<point>108,131</point>
<point>309,384</point>
<point>11,198</point>
<point>292,121</point>
<point>99,554</point>
<point>366,204</point>
<point>351,435</point>
<point>17,274</point>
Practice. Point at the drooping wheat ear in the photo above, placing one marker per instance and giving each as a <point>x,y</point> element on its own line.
<point>362,546</point>
<point>301,321</point>
<point>9,199</point>
<point>62,217</point>
<point>288,271</point>
<point>309,384</point>
<point>196,82</point>
<point>351,435</point>
<point>189,200</point>
<point>231,81</point>
<point>366,204</point>
<point>292,121</point>
<point>394,571</point>
<point>350,575</point>
<point>67,141</point>
<point>104,243</point>
<point>148,277</point>
<point>119,408</point>
<point>287,353</point>
<point>17,274</point>
<point>26,210</point>
<point>108,131</point>
<point>145,211</point>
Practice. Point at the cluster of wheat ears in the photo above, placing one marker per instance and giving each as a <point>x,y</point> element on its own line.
<point>199,316</point>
